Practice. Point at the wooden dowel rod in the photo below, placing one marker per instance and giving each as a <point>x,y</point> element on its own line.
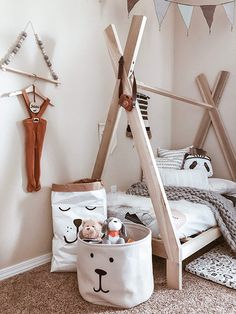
<point>221,133</point>
<point>206,120</point>
<point>5,68</point>
<point>166,93</point>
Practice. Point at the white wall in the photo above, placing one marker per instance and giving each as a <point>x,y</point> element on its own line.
<point>203,53</point>
<point>72,32</point>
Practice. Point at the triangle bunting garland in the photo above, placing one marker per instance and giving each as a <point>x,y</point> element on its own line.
<point>161,8</point>
<point>131,4</point>
<point>230,11</point>
<point>186,12</point>
<point>208,12</point>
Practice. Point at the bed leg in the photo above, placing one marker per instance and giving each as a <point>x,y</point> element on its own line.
<point>174,274</point>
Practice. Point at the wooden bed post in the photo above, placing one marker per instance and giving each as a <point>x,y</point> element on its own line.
<point>213,98</point>
<point>170,246</point>
<point>130,55</point>
<point>157,193</point>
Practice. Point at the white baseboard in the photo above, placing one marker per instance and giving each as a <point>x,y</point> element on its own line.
<point>24,266</point>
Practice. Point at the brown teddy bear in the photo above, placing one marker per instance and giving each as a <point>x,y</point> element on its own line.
<point>91,230</point>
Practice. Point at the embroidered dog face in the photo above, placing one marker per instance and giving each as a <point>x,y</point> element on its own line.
<point>70,206</point>
<point>68,209</point>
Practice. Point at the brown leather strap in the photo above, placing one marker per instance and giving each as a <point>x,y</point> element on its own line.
<point>134,90</point>
<point>120,77</point>
<point>120,74</point>
<point>43,107</point>
<point>27,103</point>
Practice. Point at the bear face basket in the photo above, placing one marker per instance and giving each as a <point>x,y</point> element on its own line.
<point>117,275</point>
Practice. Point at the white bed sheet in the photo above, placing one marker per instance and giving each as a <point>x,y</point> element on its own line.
<point>189,218</point>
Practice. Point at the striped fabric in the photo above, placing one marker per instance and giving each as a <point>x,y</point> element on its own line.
<point>171,158</point>
<point>172,153</point>
<point>143,105</point>
<point>169,163</point>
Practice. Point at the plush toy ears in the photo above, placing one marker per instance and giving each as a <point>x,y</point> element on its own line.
<point>123,230</point>
<point>105,226</point>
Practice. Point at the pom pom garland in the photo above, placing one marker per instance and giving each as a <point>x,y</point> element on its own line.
<point>45,56</point>
<point>14,50</point>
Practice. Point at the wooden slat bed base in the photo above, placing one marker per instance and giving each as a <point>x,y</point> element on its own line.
<point>190,247</point>
<point>197,243</point>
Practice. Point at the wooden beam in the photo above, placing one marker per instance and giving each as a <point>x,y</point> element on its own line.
<point>158,248</point>
<point>158,197</point>
<point>133,42</point>
<point>24,73</point>
<point>221,133</point>
<point>166,93</point>
<point>113,46</point>
<point>109,129</point>
<point>115,54</point>
<point>130,55</point>
<point>197,243</point>
<point>206,120</point>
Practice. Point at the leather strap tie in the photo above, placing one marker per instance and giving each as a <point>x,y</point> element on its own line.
<point>126,101</point>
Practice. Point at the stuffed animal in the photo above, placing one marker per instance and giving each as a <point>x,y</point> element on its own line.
<point>91,230</point>
<point>114,230</point>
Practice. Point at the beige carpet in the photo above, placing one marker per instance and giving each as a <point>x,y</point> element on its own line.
<point>40,291</point>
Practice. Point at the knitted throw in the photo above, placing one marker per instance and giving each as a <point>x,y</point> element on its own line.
<point>224,212</point>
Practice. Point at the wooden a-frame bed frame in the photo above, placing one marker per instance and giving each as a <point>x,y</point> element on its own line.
<point>169,246</point>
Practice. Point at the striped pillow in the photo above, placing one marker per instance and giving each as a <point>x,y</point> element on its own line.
<point>169,163</point>
<point>173,154</point>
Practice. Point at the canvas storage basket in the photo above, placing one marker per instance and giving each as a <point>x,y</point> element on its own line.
<point>70,203</point>
<point>118,275</point>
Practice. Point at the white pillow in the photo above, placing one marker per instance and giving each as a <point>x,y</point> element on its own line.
<point>195,179</point>
<point>222,186</point>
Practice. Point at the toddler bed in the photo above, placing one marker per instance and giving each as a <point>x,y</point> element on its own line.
<point>200,214</point>
<point>189,218</point>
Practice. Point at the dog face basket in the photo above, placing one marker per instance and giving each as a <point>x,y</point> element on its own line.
<point>71,203</point>
<point>117,275</point>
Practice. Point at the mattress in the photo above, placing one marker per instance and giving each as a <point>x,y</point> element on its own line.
<point>188,218</point>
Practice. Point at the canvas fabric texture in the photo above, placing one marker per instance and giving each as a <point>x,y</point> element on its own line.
<point>195,179</point>
<point>118,275</point>
<point>71,203</point>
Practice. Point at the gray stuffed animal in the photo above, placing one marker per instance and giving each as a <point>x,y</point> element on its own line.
<point>113,229</point>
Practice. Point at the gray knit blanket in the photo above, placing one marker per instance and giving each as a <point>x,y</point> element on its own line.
<point>224,212</point>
